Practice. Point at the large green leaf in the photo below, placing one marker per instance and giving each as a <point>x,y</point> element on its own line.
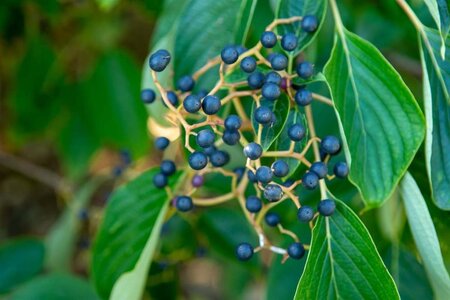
<point>381,123</point>
<point>292,8</point>
<point>343,262</point>
<point>271,132</point>
<point>436,82</point>
<point>127,237</point>
<point>20,260</point>
<point>439,11</point>
<point>425,236</point>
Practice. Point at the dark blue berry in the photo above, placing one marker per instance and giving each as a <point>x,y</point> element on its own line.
<point>185,83</point>
<point>202,94</point>
<point>159,60</point>
<point>240,49</point>
<point>248,64</point>
<point>184,203</point>
<point>211,104</point>
<point>341,169</point>
<point>289,42</point>
<point>270,91</point>
<point>192,103</point>
<point>231,137</point>
<point>251,176</point>
<point>205,138</point>
<point>161,143</point>
<point>197,181</point>
<point>125,156</point>
<point>160,180</point>
<point>280,168</point>
<point>272,219</point>
<point>273,192</point>
<point>219,158</point>
<point>233,122</point>
<point>239,171</point>
<point>167,167</point>
<point>210,150</point>
<point>253,204</point>
<point>288,183</point>
<point>173,98</point>
<point>229,55</point>
<point>303,97</point>
<point>296,132</point>
<point>330,145</point>
<point>309,23</point>
<point>244,251</point>
<point>253,151</point>
<point>264,174</point>
<point>296,251</point>
<point>305,213</point>
<point>305,69</point>
<point>319,168</point>
<point>255,80</point>
<point>310,180</point>
<point>278,62</point>
<point>148,96</point>
<point>326,207</point>
<point>263,115</point>
<point>273,77</point>
<point>268,39</point>
<point>197,160</point>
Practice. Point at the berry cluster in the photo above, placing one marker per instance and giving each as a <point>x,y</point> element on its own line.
<point>274,182</point>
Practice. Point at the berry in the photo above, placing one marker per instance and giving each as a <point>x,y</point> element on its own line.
<point>231,137</point>
<point>264,174</point>
<point>330,145</point>
<point>296,250</point>
<point>272,219</point>
<point>184,203</point>
<point>280,168</point>
<point>320,169</point>
<point>239,171</point>
<point>289,41</point>
<point>244,251</point>
<point>278,62</point>
<point>202,94</point>
<point>167,167</point>
<point>185,83</point>
<point>288,183</point>
<point>270,91</point>
<point>192,104</point>
<point>341,169</point>
<point>268,39</point>
<point>148,96</point>
<point>273,77</point>
<point>173,98</point>
<point>309,23</point>
<point>210,150</point>
<point>273,192</point>
<point>255,80</point>
<point>211,104</point>
<point>161,143</point>
<point>303,97</point>
<point>160,180</point>
<point>326,207</point>
<point>229,55</point>
<point>251,176</point>
<point>219,158</point>
<point>305,69</point>
<point>197,160</point>
<point>253,204</point>
<point>159,60</point>
<point>296,132</point>
<point>253,151</point>
<point>205,138</point>
<point>240,49</point>
<point>305,213</point>
<point>310,180</point>
<point>248,64</point>
<point>233,122</point>
<point>263,115</point>
<point>197,181</point>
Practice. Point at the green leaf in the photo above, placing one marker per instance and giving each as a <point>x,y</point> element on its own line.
<point>21,260</point>
<point>293,8</point>
<point>55,287</point>
<point>343,262</point>
<point>107,4</point>
<point>127,237</point>
<point>439,11</point>
<point>315,78</point>
<point>244,21</point>
<point>436,82</point>
<point>283,278</point>
<point>238,75</point>
<point>381,123</point>
<point>425,236</point>
<point>269,133</point>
